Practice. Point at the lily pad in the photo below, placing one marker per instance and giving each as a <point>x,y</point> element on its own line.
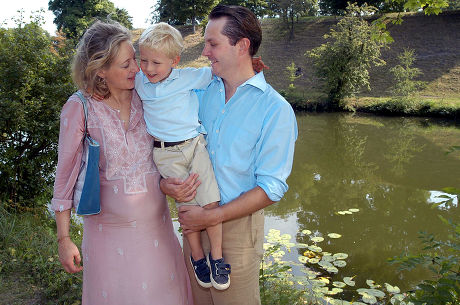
<point>349,280</point>
<point>302,245</point>
<point>334,291</point>
<point>374,292</point>
<point>339,284</point>
<point>372,284</point>
<point>303,259</point>
<point>315,249</point>
<point>392,289</point>
<point>340,256</point>
<point>325,264</point>
<point>367,298</point>
<point>334,235</point>
<point>353,210</point>
<point>340,263</point>
<point>314,260</point>
<point>317,239</point>
<point>307,232</point>
<point>328,258</point>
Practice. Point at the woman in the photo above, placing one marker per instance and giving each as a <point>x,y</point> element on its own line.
<point>129,251</point>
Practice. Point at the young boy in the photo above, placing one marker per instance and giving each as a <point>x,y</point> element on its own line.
<point>171,114</point>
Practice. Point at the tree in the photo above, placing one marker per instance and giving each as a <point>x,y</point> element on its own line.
<point>182,11</point>
<point>343,61</point>
<point>338,7</point>
<point>73,17</point>
<point>404,74</point>
<point>291,10</point>
<point>34,83</point>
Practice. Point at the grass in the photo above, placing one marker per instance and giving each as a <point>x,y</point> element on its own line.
<point>29,260</point>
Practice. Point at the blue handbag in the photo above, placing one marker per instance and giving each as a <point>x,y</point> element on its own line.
<point>87,190</point>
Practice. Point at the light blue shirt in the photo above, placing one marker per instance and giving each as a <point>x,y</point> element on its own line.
<point>250,138</point>
<point>171,106</point>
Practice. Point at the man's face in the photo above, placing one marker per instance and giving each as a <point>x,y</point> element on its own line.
<point>218,50</point>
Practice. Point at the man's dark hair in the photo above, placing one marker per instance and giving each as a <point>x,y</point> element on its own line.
<point>241,23</point>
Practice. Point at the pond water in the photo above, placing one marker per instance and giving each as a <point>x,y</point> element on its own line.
<point>391,169</point>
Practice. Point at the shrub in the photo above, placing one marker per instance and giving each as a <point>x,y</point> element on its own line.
<point>34,83</point>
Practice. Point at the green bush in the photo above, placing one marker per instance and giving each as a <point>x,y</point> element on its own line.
<point>344,60</point>
<point>34,84</point>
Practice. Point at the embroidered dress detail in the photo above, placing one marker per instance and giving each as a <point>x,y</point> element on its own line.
<point>131,160</point>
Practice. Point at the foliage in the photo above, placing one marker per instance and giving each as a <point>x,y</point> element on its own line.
<point>182,11</point>
<point>344,60</point>
<point>291,10</point>
<point>404,74</point>
<point>442,258</point>
<point>34,83</point>
<point>338,7</point>
<point>28,247</point>
<point>293,74</point>
<point>73,17</point>
<point>414,105</point>
<point>258,7</point>
<point>428,6</point>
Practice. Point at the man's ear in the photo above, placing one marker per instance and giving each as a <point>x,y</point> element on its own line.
<point>243,46</point>
<point>175,61</point>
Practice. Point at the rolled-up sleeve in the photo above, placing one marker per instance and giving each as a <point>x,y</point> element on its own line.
<point>69,154</point>
<point>275,151</point>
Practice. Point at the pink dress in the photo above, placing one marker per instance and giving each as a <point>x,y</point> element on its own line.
<point>130,253</point>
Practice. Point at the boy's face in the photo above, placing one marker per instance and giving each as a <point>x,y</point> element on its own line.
<point>156,65</point>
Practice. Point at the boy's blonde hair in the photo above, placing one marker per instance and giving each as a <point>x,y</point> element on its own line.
<point>164,38</point>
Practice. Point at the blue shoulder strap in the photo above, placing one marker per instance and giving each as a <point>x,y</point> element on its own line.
<point>85,110</point>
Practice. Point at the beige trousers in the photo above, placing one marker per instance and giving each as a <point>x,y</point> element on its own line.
<point>242,245</point>
<point>189,157</point>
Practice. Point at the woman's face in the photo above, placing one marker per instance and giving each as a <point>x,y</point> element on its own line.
<point>122,72</point>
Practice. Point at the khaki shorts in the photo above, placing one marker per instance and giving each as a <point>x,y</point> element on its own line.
<point>189,157</point>
<point>242,247</point>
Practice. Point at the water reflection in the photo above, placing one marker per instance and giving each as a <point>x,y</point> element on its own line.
<point>391,169</point>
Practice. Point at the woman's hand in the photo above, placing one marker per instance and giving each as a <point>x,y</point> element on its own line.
<point>69,256</point>
<point>181,191</point>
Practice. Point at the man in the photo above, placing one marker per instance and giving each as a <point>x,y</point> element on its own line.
<point>251,135</point>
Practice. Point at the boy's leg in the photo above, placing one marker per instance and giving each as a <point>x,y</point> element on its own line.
<point>243,249</point>
<point>201,296</point>
<point>215,235</point>
<point>194,240</point>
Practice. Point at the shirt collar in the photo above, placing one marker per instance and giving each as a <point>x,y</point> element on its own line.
<point>175,73</point>
<point>257,81</point>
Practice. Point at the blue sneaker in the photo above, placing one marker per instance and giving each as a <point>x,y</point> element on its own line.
<point>201,270</point>
<point>220,273</point>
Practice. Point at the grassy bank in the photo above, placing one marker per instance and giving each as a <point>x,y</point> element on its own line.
<point>434,39</point>
<point>30,271</point>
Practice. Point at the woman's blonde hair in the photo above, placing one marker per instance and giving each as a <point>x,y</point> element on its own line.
<point>96,50</point>
<point>164,38</point>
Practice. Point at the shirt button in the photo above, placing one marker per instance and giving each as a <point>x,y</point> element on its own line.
<point>223,111</point>
<point>220,90</point>
<point>212,152</point>
<point>217,130</point>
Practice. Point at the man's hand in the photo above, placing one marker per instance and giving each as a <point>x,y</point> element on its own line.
<point>194,218</point>
<point>181,191</point>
